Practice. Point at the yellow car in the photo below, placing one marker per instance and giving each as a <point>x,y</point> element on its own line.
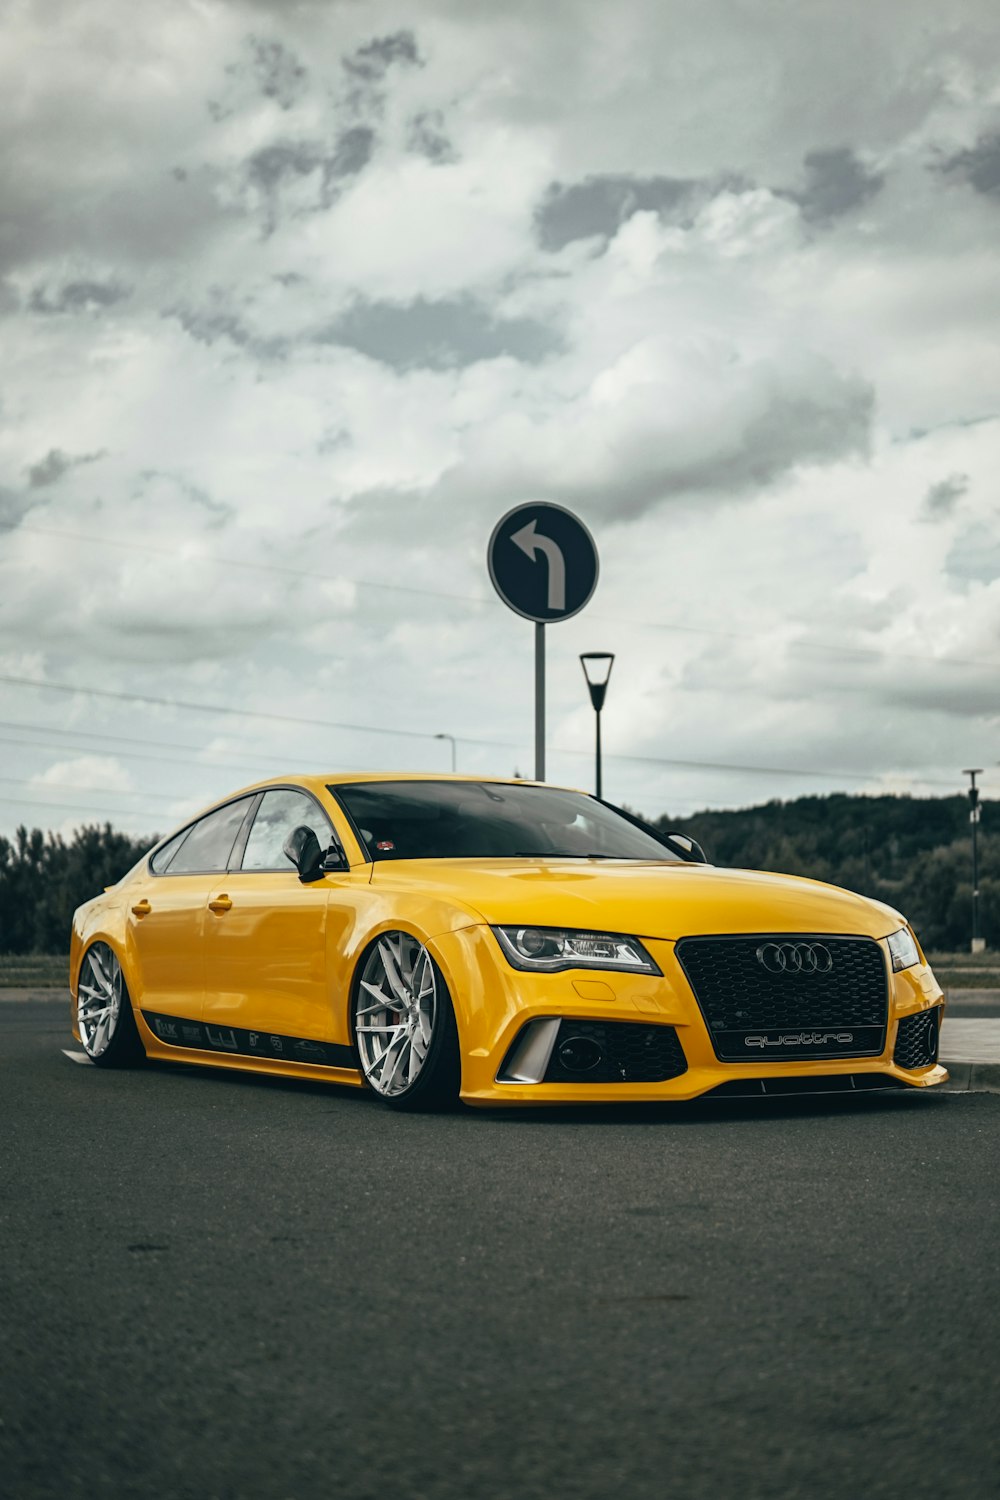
<point>502,942</point>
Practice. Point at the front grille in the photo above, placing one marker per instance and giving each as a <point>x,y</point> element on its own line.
<point>917,1039</point>
<point>622,1052</point>
<point>828,998</point>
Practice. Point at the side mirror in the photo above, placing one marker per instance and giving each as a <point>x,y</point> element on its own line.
<point>302,848</point>
<point>689,849</point>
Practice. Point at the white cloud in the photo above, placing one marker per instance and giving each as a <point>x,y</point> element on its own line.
<point>748,385</point>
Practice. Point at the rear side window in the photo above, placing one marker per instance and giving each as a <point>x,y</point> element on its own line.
<point>280,811</point>
<point>209,843</point>
<point>161,859</point>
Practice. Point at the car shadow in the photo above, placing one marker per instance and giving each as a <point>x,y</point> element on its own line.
<point>676,1113</point>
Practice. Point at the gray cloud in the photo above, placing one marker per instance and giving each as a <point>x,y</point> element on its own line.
<point>975,555</point>
<point>207,325</point>
<point>351,155</point>
<point>55,464</point>
<point>980,165</point>
<point>598,206</point>
<point>439,335</point>
<point>13,508</point>
<point>836,182</point>
<point>78,296</point>
<point>185,487</point>
<point>794,426</point>
<point>279,74</point>
<point>941,498</point>
<point>427,137</point>
<point>371,62</point>
<point>274,166</point>
<point>622,474</point>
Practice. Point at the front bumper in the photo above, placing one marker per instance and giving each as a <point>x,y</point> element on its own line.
<point>494,1003</point>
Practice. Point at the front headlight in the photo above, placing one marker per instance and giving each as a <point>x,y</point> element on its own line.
<point>903,950</point>
<point>549,949</point>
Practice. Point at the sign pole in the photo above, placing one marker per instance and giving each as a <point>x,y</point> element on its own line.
<point>539,701</point>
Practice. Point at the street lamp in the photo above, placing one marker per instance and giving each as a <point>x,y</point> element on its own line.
<point>978,943</point>
<point>597,669</point>
<point>452,738</point>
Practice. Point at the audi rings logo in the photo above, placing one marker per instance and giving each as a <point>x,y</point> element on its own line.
<point>795,958</point>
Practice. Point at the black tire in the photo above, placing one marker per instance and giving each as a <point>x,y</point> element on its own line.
<point>436,1085</point>
<point>117,1044</point>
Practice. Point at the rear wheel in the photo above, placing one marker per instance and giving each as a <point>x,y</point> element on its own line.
<point>404,1026</point>
<point>104,1011</point>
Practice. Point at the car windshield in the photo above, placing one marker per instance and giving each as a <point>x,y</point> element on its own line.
<point>490,820</point>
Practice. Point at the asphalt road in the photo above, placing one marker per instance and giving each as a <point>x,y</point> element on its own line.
<point>221,1286</point>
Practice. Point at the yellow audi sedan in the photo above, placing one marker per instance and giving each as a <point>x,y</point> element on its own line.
<point>502,942</point>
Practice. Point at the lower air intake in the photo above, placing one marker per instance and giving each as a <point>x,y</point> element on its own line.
<point>917,1039</point>
<point>614,1052</point>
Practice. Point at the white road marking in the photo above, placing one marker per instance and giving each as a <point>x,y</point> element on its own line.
<point>80,1057</point>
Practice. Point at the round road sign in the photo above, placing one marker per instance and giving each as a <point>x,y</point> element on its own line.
<point>543,562</point>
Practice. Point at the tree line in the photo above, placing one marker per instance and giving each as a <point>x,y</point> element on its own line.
<point>913,853</point>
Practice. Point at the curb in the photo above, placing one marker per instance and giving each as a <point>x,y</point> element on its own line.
<point>972,1077</point>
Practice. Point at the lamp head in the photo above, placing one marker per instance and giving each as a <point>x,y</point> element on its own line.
<point>597,670</point>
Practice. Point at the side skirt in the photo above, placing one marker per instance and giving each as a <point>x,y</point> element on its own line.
<point>236,1043</point>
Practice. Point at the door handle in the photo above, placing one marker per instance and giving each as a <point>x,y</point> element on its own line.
<point>141,908</point>
<point>220,904</point>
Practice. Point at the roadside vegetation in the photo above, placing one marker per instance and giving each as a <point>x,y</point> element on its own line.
<point>914,853</point>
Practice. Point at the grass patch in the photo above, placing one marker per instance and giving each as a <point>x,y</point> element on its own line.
<point>966,971</point>
<point>24,971</point>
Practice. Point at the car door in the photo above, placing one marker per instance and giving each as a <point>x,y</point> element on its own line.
<point>166,920</point>
<point>266,975</point>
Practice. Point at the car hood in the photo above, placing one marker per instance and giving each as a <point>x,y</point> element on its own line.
<point>650,900</point>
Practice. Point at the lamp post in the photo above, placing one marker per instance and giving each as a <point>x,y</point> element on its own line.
<point>978,943</point>
<point>452,738</point>
<point>597,670</point>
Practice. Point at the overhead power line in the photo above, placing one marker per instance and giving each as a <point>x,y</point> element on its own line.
<point>678,763</point>
<point>74,807</point>
<point>105,791</point>
<point>239,762</point>
<point>212,708</point>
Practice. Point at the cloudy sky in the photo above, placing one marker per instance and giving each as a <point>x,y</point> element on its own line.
<point>298,299</point>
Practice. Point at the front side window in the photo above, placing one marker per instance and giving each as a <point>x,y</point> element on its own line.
<point>490,820</point>
<point>210,841</point>
<point>280,811</point>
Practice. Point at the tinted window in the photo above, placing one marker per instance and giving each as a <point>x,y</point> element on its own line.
<point>489,820</point>
<point>210,842</point>
<point>278,814</point>
<point>162,857</point>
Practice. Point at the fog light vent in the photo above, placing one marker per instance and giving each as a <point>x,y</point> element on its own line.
<point>579,1054</point>
<point>917,1039</point>
<point>614,1052</point>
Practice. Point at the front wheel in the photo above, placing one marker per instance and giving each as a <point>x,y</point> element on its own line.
<point>404,1026</point>
<point>104,1011</point>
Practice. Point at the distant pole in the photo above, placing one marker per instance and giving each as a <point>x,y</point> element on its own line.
<point>453,756</point>
<point>539,701</point>
<point>978,943</point>
<point>597,670</point>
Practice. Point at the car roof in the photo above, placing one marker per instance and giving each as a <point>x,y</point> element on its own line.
<point>350,778</point>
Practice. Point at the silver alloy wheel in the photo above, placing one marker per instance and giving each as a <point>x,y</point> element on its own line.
<point>395,1012</point>
<point>99,999</point>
